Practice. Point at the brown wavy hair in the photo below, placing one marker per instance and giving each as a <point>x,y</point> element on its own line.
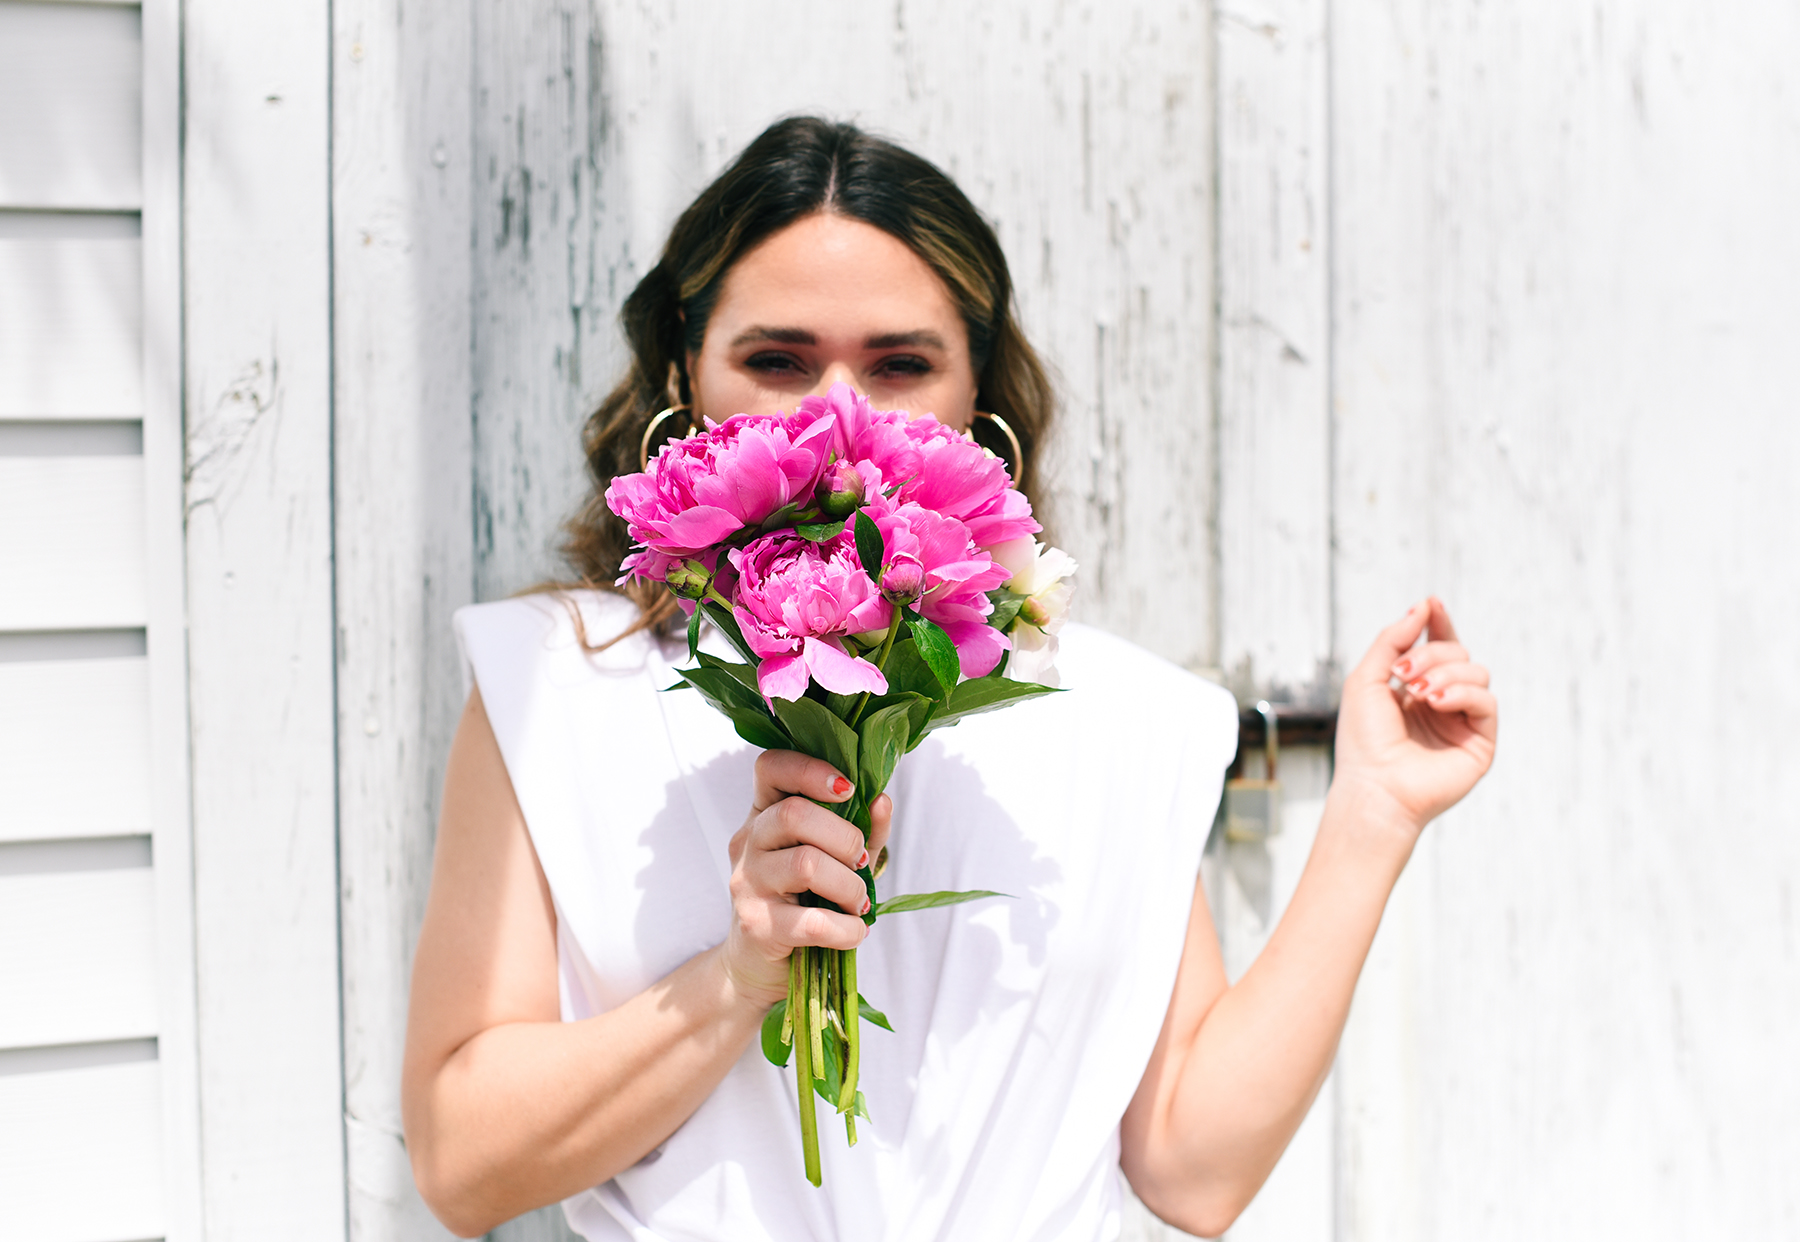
<point>796,168</point>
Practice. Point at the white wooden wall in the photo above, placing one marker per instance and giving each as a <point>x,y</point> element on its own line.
<point>1565,316</point>
<point>1347,303</point>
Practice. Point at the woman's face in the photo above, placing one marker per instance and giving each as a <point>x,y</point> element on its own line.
<point>831,299</point>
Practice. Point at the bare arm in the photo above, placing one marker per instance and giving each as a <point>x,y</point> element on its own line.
<point>1235,1068</point>
<point>508,1108</point>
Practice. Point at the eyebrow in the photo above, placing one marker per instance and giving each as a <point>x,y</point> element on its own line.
<point>800,336</point>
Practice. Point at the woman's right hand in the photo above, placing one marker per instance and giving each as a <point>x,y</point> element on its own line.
<point>788,846</point>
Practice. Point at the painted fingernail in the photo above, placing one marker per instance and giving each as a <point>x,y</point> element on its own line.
<point>863,861</point>
<point>1436,696</point>
<point>865,906</point>
<point>840,787</point>
<point>1403,668</point>
<point>1417,687</point>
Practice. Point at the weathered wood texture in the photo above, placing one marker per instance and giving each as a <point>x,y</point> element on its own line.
<point>1274,491</point>
<point>259,610</point>
<point>1274,350</point>
<point>400,200</point>
<point>1084,133</point>
<point>1565,318</point>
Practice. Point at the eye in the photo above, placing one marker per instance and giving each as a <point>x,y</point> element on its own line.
<point>770,362</point>
<point>904,366</point>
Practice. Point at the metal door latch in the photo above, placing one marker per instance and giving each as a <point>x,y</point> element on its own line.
<point>1253,807</point>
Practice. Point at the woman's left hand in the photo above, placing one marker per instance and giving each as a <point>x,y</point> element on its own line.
<point>1425,744</point>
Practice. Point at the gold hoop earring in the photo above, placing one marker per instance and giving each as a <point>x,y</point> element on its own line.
<point>1018,454</point>
<point>644,444</point>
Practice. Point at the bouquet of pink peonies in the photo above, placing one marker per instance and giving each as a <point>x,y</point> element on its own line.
<point>878,575</point>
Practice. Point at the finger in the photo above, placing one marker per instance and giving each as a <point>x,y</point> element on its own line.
<point>881,822</point>
<point>780,773</point>
<point>1438,625</point>
<point>1389,646</point>
<point>795,821</point>
<point>1428,656</point>
<point>1445,676</point>
<point>797,925</point>
<point>806,868</point>
<point>1475,702</point>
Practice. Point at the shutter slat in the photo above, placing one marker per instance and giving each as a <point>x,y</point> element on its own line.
<point>74,748</point>
<point>71,78</point>
<point>71,327</point>
<point>81,1155</point>
<point>77,959</point>
<point>72,556</point>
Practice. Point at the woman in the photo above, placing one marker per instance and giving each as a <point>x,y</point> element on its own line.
<point>614,898</point>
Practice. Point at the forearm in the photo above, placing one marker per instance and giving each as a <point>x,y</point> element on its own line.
<point>1240,1073</point>
<point>527,1113</point>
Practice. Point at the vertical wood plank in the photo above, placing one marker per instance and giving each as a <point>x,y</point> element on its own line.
<point>400,195</point>
<point>1274,498</point>
<point>258,396</point>
<point>166,646</point>
<point>1274,349</point>
<point>1565,322</point>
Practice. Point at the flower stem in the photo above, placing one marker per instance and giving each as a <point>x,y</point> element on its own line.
<point>887,645</point>
<point>852,1038</point>
<point>803,1068</point>
<point>815,1000</point>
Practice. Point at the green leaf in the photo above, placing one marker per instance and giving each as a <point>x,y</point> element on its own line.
<point>818,733</point>
<point>1006,608</point>
<point>907,672</point>
<point>870,547</point>
<point>772,1047</point>
<point>885,734</point>
<point>745,673</point>
<point>758,728</point>
<point>939,652</point>
<point>819,532</point>
<point>721,689</point>
<point>986,694</point>
<point>918,719</point>
<point>783,516</point>
<point>860,1107</point>
<point>868,1012</point>
<point>728,626</point>
<point>694,634</point>
<point>831,1083</point>
<point>931,901</point>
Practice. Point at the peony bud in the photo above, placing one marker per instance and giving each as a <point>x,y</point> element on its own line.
<point>840,491</point>
<point>903,582</point>
<point>689,579</point>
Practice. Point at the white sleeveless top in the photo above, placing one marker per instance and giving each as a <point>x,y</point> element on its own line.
<point>1021,1027</point>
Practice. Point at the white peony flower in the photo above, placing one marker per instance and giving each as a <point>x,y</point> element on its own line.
<point>1041,575</point>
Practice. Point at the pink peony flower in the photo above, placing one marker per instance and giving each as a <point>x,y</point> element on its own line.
<point>939,468</point>
<point>860,433</point>
<point>795,601</point>
<point>702,490</point>
<point>954,575</point>
<point>959,478</point>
